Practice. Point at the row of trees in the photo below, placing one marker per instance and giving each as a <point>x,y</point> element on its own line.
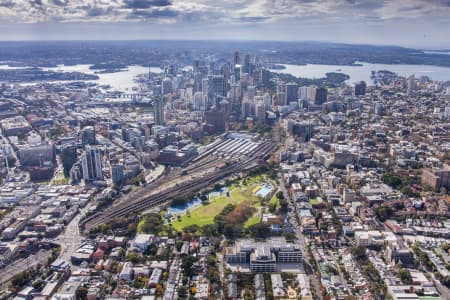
<point>378,288</point>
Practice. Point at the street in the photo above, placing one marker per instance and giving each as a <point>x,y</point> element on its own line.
<point>300,237</point>
<point>71,238</point>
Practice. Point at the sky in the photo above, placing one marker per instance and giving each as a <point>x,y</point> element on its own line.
<point>421,24</point>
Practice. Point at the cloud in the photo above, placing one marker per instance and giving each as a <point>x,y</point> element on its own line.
<point>255,19</point>
<point>154,13</point>
<point>97,11</point>
<point>230,12</point>
<point>36,3</point>
<point>60,2</point>
<point>7,4</point>
<point>143,4</point>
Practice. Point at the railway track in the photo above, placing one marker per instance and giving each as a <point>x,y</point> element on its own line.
<point>146,199</point>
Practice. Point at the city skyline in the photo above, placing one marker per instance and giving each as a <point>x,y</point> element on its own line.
<point>414,23</point>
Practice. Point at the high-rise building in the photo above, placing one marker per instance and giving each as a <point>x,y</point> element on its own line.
<point>436,179</point>
<point>260,112</point>
<point>291,91</point>
<point>217,119</point>
<point>236,59</point>
<point>265,77</point>
<point>216,88</point>
<point>247,64</point>
<point>360,88</point>
<point>321,96</point>
<point>166,87</point>
<point>247,109</point>
<point>88,136</point>
<point>199,101</point>
<point>68,157</point>
<point>91,164</point>
<point>197,82</point>
<point>196,66</point>
<point>411,85</point>
<point>218,85</point>
<point>251,92</point>
<point>235,97</point>
<point>307,93</point>
<point>37,155</point>
<point>267,100</point>
<point>117,174</point>
<point>158,111</point>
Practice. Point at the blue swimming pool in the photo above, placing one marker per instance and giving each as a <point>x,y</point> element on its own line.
<point>264,191</point>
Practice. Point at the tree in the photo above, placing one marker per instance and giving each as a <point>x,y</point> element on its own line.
<point>232,231</point>
<point>191,228</point>
<point>153,223</point>
<point>280,195</point>
<point>404,276</point>
<point>209,230</point>
<point>134,257</point>
<point>392,180</point>
<point>131,229</point>
<point>283,205</point>
<point>182,292</point>
<point>187,264</point>
<point>20,279</point>
<point>82,293</point>
<point>383,212</point>
<point>359,253</point>
<point>259,231</point>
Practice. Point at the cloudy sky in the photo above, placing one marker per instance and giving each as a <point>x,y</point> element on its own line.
<point>415,23</point>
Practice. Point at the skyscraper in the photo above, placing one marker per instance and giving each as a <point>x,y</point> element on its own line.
<point>197,82</point>
<point>411,85</point>
<point>321,95</point>
<point>199,101</point>
<point>360,88</point>
<point>158,111</point>
<point>306,93</point>
<point>216,87</point>
<point>247,64</point>
<point>196,66</point>
<point>91,164</point>
<point>265,77</point>
<point>117,174</point>
<point>236,59</point>
<point>291,92</point>
<point>68,157</point>
<point>88,136</point>
<point>166,87</point>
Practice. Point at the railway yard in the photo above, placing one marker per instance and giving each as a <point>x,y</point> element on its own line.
<point>226,156</point>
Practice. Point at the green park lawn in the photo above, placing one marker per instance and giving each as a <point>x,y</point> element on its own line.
<point>253,220</point>
<point>275,200</point>
<point>205,214</point>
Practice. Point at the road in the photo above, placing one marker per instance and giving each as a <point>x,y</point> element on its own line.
<point>22,264</point>
<point>300,237</point>
<point>445,292</point>
<point>341,274</point>
<point>71,238</point>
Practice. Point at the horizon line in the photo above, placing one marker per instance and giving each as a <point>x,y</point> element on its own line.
<point>220,40</point>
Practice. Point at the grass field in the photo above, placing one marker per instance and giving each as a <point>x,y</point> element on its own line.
<point>205,214</point>
<point>253,220</point>
<point>274,200</point>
